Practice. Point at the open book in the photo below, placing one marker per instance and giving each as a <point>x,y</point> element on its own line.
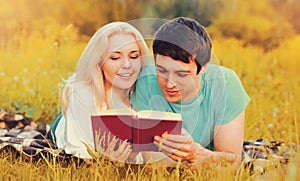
<point>137,127</point>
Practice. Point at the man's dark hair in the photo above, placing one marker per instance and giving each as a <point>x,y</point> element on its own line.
<point>182,38</point>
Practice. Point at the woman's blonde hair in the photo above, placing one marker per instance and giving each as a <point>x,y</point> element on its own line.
<point>88,70</point>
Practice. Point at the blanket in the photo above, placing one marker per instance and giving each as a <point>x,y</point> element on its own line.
<point>19,134</point>
<point>31,144</point>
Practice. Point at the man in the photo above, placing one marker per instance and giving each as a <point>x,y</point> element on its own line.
<point>210,98</point>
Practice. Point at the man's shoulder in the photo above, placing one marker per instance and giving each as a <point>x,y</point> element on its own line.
<point>148,70</point>
<point>214,71</point>
<point>147,75</point>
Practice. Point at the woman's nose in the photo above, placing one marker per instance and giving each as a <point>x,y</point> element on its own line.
<point>126,63</point>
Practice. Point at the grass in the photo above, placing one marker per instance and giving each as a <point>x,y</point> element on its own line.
<point>32,70</point>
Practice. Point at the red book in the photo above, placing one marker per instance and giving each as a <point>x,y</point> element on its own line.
<point>139,128</point>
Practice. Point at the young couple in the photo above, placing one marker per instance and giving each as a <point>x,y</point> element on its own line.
<point>116,71</point>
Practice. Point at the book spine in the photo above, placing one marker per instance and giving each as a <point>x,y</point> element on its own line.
<point>135,133</point>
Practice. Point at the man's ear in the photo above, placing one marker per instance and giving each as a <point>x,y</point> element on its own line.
<point>192,58</point>
<point>203,68</point>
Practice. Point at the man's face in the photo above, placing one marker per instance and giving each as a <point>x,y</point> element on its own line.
<point>177,80</point>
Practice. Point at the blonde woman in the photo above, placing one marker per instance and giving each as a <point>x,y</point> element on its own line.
<point>104,78</point>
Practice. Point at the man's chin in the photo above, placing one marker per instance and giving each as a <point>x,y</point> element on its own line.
<point>172,99</point>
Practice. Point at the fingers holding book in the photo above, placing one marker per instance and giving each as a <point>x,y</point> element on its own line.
<point>177,147</point>
<point>123,151</point>
<point>182,148</point>
<point>118,150</point>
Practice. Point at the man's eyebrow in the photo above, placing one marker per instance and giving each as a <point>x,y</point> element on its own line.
<point>177,71</point>
<point>183,71</point>
<point>159,66</point>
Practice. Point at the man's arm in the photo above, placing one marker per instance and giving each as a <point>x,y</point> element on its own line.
<point>228,143</point>
<point>229,137</point>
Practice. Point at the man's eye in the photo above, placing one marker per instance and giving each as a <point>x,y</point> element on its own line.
<point>182,74</point>
<point>162,71</point>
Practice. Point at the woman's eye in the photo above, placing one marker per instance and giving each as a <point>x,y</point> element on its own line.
<point>114,58</point>
<point>134,57</point>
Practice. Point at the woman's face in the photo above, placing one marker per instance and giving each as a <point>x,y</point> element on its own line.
<point>123,63</point>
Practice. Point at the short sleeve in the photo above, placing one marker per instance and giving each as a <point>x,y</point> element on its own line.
<point>236,99</point>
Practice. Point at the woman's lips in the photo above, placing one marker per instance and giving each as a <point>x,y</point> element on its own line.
<point>125,75</point>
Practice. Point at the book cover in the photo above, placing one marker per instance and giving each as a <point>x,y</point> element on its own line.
<point>139,128</point>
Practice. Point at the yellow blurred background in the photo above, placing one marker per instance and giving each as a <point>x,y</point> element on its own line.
<point>41,41</point>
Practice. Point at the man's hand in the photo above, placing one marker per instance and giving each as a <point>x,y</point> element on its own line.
<point>178,147</point>
<point>183,148</point>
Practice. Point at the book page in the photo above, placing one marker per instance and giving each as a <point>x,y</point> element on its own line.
<point>124,111</point>
<point>159,115</point>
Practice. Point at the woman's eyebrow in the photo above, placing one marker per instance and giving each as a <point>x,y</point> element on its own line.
<point>133,51</point>
<point>118,51</point>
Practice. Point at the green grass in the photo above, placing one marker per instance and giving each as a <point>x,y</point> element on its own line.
<point>32,70</point>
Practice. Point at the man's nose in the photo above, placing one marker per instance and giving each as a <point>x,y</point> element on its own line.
<point>170,82</point>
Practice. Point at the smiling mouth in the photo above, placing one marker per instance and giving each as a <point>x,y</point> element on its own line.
<point>125,75</point>
<point>172,92</point>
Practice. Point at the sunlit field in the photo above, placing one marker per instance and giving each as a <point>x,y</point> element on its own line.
<point>33,66</point>
<point>32,70</point>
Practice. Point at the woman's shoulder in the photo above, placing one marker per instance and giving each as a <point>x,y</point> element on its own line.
<point>81,91</point>
<point>81,88</point>
<point>81,97</point>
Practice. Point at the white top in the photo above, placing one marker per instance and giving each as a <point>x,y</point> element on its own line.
<point>76,128</point>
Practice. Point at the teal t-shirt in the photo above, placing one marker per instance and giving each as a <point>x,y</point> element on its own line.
<point>221,99</point>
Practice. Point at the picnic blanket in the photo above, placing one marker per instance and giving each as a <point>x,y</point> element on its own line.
<point>30,141</point>
<point>19,134</point>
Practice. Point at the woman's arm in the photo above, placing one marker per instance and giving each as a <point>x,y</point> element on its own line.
<point>78,128</point>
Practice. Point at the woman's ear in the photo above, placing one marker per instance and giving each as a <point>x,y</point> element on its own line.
<point>99,66</point>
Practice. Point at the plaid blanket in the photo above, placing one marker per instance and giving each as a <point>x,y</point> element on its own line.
<point>20,134</point>
<point>31,144</point>
<point>30,141</point>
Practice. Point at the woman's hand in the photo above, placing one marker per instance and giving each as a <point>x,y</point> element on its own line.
<point>121,154</point>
